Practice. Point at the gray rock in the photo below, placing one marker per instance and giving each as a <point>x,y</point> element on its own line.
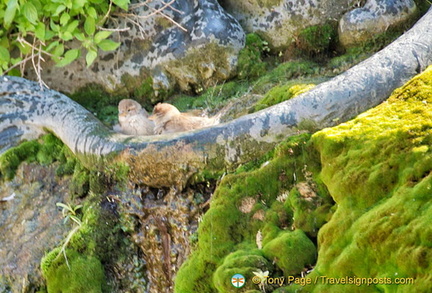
<point>375,17</point>
<point>30,225</point>
<point>280,21</point>
<point>198,52</point>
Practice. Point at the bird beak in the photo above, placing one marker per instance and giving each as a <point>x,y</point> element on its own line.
<point>151,117</point>
<point>122,114</point>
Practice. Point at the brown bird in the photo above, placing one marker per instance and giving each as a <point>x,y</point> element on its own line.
<point>168,119</point>
<point>133,119</point>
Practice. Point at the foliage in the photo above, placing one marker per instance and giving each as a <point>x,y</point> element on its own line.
<point>35,29</point>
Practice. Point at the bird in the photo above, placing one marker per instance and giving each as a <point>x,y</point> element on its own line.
<point>168,119</point>
<point>133,119</point>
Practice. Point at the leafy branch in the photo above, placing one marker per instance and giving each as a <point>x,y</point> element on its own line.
<point>32,29</point>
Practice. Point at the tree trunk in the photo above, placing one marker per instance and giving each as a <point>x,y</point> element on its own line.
<point>170,160</point>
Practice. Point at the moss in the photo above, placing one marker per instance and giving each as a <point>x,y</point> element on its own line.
<point>243,262</point>
<point>378,169</point>
<point>291,251</point>
<point>250,63</point>
<point>80,274</point>
<point>423,6</point>
<point>317,39</point>
<point>281,93</point>
<point>285,73</point>
<point>12,158</point>
<point>45,150</point>
<point>243,204</point>
<point>102,104</point>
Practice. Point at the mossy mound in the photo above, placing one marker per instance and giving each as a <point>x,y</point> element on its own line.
<point>378,169</point>
<point>250,211</point>
<point>291,251</point>
<point>79,274</point>
<point>244,262</point>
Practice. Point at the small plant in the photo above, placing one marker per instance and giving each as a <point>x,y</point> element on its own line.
<point>69,212</point>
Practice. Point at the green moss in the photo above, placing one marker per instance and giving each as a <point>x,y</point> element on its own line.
<point>243,204</point>
<point>317,39</point>
<point>285,73</point>
<point>102,104</point>
<point>45,150</point>
<point>281,93</point>
<point>250,63</point>
<point>243,262</point>
<point>12,158</point>
<point>378,169</point>
<point>80,274</point>
<point>291,251</point>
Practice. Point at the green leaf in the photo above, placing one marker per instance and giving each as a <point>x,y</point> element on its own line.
<point>79,36</point>
<point>40,31</point>
<point>90,57</point>
<point>64,19</point>
<point>91,11</point>
<point>4,54</point>
<point>59,10</point>
<point>90,26</point>
<point>69,57</point>
<point>54,27</point>
<point>108,45</point>
<point>66,36</point>
<point>30,12</point>
<point>51,46</point>
<point>77,4</point>
<point>10,12</point>
<point>102,35</point>
<point>123,4</point>
<point>58,51</point>
<point>72,26</point>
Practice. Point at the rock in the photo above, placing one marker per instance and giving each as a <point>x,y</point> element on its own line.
<point>280,21</point>
<point>375,17</point>
<point>31,225</point>
<point>198,52</point>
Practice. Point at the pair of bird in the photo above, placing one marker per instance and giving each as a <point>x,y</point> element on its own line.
<point>166,118</point>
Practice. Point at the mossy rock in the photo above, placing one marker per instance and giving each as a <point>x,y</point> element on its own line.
<point>378,170</point>
<point>246,203</point>
<point>291,251</point>
<point>243,262</point>
<point>79,274</point>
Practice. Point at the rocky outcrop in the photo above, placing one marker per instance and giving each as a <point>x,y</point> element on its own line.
<point>280,21</point>
<point>375,17</point>
<point>198,51</point>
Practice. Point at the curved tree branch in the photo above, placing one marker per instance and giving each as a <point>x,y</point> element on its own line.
<point>170,160</point>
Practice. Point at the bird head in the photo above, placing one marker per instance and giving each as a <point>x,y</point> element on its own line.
<point>163,110</point>
<point>128,107</point>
